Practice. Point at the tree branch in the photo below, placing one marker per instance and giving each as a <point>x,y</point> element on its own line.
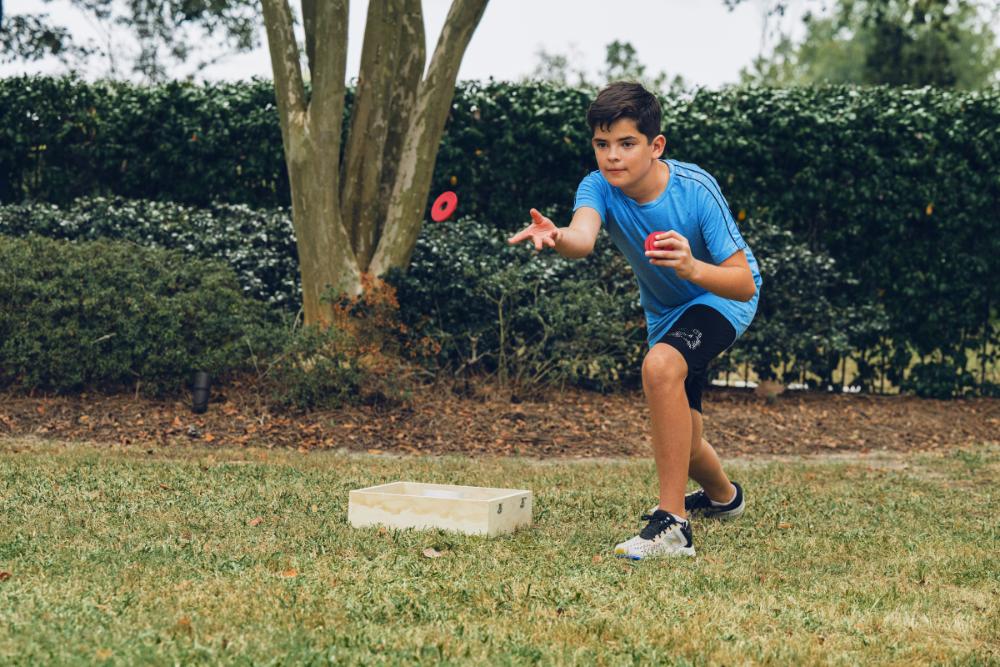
<point>309,25</point>
<point>402,101</point>
<point>326,108</point>
<point>388,40</point>
<point>416,164</point>
<point>289,91</point>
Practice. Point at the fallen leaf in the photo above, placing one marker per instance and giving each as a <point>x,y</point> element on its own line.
<point>164,486</point>
<point>103,653</point>
<point>596,559</point>
<point>288,574</point>
<point>431,552</point>
<point>784,525</point>
<point>256,521</point>
<point>314,508</point>
<point>209,437</point>
<point>4,576</point>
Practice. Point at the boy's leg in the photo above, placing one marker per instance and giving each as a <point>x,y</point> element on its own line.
<point>672,375</point>
<point>705,466</point>
<point>676,366</point>
<point>663,373</point>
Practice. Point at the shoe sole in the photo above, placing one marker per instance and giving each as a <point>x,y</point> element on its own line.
<point>684,551</point>
<point>725,516</point>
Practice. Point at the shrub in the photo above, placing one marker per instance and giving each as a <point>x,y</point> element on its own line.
<point>114,315</point>
<point>897,185</point>
<point>259,245</point>
<point>531,320</point>
<point>806,319</point>
<point>359,358</point>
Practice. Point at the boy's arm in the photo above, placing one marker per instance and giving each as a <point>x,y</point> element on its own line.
<point>574,242</point>
<point>577,240</point>
<point>732,279</point>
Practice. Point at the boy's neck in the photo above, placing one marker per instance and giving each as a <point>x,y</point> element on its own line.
<point>652,184</point>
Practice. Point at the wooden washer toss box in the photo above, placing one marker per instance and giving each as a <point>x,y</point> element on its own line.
<point>474,510</point>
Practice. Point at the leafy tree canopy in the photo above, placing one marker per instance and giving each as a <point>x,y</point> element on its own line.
<point>944,43</point>
<point>164,33</point>
<point>621,62</point>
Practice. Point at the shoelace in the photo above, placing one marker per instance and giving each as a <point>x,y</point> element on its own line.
<point>659,521</point>
<point>698,500</point>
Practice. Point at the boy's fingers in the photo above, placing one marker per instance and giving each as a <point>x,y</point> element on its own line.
<point>521,235</point>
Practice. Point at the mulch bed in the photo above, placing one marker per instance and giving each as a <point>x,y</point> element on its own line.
<point>567,424</point>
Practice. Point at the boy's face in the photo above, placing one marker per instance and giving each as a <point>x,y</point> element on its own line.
<point>625,155</point>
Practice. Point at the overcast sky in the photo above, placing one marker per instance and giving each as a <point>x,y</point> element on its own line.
<point>698,39</point>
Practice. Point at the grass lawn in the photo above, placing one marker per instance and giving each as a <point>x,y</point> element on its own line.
<point>132,557</point>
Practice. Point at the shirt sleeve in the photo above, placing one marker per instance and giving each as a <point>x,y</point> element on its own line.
<point>590,193</point>
<point>722,236</point>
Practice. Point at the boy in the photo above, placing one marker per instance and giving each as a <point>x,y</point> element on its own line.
<point>699,287</point>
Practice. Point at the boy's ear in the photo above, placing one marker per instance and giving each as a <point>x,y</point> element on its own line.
<point>659,145</point>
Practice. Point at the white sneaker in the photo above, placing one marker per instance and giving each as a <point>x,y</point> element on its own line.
<point>663,536</point>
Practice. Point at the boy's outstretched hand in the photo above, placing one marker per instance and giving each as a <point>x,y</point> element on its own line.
<point>542,232</point>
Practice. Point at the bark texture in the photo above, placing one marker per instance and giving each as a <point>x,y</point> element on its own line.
<point>310,133</point>
<point>415,166</point>
<point>364,215</point>
<point>389,34</point>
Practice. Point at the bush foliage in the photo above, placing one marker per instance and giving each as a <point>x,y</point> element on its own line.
<point>894,189</point>
<point>259,244</point>
<point>114,315</point>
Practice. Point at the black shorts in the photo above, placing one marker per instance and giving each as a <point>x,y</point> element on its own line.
<point>701,334</point>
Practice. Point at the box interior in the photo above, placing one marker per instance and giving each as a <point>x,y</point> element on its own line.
<point>441,491</point>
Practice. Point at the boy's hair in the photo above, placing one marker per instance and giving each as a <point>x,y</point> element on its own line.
<point>624,99</point>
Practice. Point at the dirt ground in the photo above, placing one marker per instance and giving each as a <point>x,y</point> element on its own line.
<point>568,424</point>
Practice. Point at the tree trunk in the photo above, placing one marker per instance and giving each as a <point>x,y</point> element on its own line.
<point>396,126</point>
<point>310,134</point>
<point>326,260</point>
<point>390,70</point>
<point>416,163</point>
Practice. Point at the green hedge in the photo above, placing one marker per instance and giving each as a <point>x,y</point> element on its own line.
<point>899,187</point>
<point>536,319</point>
<point>259,244</point>
<point>62,138</point>
<point>541,320</point>
<point>112,315</point>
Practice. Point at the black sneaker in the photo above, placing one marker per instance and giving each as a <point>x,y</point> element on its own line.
<point>663,536</point>
<point>699,504</point>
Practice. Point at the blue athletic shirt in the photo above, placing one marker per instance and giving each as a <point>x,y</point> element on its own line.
<point>692,204</point>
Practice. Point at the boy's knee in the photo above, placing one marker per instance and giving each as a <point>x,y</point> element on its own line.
<point>663,367</point>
